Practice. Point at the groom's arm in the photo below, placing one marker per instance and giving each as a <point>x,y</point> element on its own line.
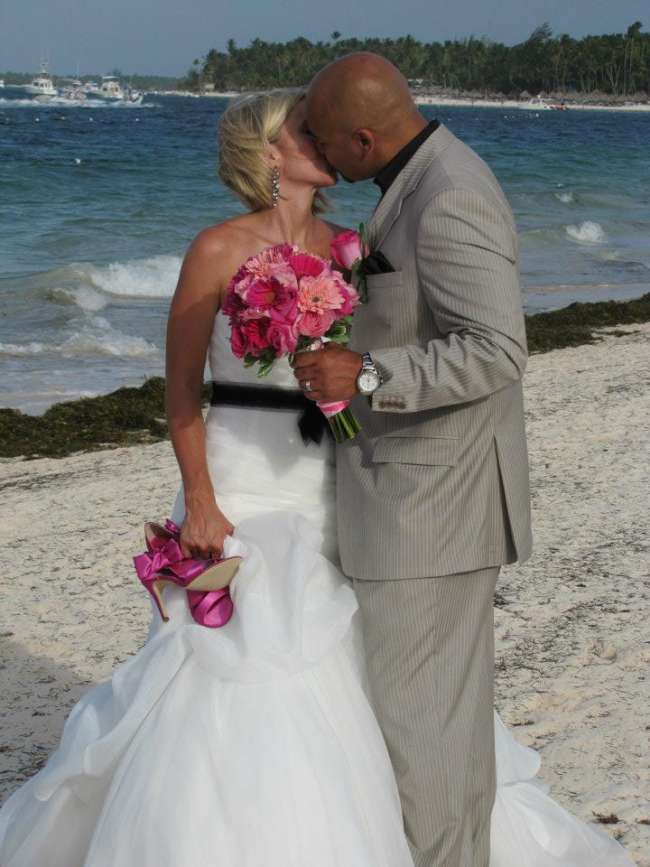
<point>468,273</point>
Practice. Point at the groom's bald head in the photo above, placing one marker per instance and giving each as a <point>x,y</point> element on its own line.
<point>361,113</point>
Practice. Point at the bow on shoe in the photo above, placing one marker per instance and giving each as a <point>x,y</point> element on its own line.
<point>165,554</point>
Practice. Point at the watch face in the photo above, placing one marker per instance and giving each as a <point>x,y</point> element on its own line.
<point>368,381</point>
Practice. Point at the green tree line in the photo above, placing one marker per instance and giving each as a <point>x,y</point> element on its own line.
<point>617,64</point>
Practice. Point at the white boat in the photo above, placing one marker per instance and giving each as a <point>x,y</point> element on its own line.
<point>538,103</point>
<point>42,85</point>
<point>73,91</point>
<point>111,89</point>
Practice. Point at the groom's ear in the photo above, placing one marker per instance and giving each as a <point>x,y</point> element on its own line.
<point>365,141</point>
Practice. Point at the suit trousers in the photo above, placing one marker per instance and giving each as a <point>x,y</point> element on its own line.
<point>430,654</point>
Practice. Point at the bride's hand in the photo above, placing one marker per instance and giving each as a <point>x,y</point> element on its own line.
<point>204,530</point>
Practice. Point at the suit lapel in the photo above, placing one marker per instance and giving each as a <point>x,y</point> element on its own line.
<point>389,207</point>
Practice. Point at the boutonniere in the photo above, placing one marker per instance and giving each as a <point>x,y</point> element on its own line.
<point>351,251</point>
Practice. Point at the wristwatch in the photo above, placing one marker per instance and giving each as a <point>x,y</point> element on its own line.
<point>369,378</point>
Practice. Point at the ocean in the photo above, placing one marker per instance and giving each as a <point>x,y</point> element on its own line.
<point>98,203</point>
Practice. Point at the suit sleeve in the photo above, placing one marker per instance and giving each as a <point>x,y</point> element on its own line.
<point>467,266</point>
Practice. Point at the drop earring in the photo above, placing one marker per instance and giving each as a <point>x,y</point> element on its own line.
<point>275,186</point>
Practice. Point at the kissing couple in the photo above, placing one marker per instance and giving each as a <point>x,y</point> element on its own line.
<point>344,714</point>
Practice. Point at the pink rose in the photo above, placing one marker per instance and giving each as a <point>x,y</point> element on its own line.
<point>315,324</point>
<point>255,335</point>
<point>346,248</point>
<point>237,342</point>
<point>282,337</point>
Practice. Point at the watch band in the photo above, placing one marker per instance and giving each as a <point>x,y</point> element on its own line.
<point>367,362</point>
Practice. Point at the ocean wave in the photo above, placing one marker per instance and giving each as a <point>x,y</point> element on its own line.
<point>114,344</point>
<point>143,278</point>
<point>95,337</point>
<point>565,198</point>
<point>33,348</point>
<point>83,296</point>
<point>57,102</point>
<point>587,233</point>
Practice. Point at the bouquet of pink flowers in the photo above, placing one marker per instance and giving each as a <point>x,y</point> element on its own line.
<point>284,300</point>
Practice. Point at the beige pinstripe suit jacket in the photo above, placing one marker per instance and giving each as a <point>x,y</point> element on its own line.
<point>437,481</point>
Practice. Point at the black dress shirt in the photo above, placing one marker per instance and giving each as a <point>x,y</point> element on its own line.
<point>391,170</point>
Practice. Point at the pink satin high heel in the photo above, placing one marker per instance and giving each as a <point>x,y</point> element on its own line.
<point>206,580</point>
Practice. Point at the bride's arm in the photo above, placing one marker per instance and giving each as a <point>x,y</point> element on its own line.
<point>195,303</point>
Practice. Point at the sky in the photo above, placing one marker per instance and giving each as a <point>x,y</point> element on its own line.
<point>164,36</point>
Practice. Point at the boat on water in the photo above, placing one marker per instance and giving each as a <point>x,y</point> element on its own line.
<point>111,89</point>
<point>73,90</point>
<point>538,103</point>
<point>42,85</point>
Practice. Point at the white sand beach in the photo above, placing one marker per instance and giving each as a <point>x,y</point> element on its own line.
<point>468,102</point>
<point>573,645</point>
<point>442,101</point>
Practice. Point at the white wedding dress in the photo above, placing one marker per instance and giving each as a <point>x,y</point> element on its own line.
<point>254,745</point>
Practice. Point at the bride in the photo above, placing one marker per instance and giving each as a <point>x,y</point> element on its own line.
<point>254,743</point>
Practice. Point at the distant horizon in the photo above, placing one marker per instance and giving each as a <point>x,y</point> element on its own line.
<point>166,31</point>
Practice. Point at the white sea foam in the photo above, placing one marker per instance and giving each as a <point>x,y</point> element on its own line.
<point>86,297</point>
<point>33,348</point>
<point>59,102</point>
<point>144,278</point>
<point>95,337</point>
<point>112,343</point>
<point>587,233</point>
<point>566,198</point>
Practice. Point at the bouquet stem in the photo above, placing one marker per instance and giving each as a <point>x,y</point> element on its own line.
<point>343,425</point>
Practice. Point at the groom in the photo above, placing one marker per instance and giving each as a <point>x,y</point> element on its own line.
<point>433,493</point>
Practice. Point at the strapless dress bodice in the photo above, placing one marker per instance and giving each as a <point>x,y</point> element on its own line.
<point>226,367</point>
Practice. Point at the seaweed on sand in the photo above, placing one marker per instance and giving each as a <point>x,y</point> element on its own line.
<point>137,415</point>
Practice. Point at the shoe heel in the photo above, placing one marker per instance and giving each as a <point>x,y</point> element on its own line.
<point>153,530</point>
<point>154,588</point>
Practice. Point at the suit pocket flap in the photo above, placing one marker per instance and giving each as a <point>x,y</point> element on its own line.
<point>384,280</point>
<point>434,451</point>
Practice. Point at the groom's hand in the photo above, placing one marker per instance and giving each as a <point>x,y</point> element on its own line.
<point>328,374</point>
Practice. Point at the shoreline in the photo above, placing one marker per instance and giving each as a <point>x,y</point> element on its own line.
<point>427,98</point>
<point>469,102</point>
<point>134,415</point>
<point>570,624</point>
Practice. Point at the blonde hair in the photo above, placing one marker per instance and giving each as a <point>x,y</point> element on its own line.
<point>246,128</point>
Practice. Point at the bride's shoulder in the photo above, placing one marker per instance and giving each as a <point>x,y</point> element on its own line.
<point>221,237</point>
<point>219,249</point>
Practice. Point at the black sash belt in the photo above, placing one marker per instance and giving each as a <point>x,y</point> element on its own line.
<point>311,423</point>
